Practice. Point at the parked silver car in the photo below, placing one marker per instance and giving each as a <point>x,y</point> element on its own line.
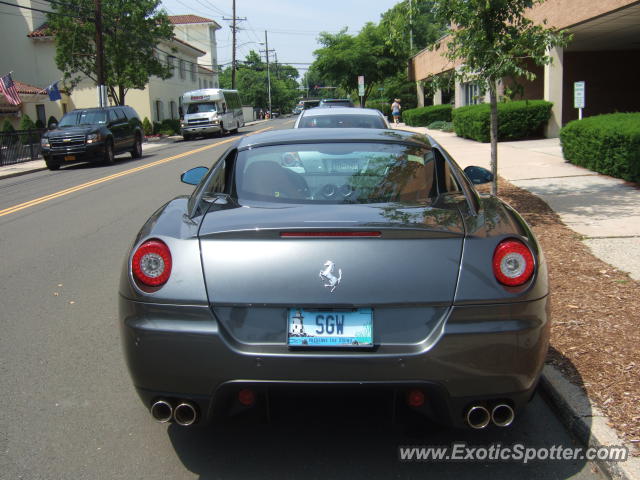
<point>341,117</point>
<point>358,257</point>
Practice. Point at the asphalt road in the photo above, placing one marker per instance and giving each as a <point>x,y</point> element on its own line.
<point>67,406</point>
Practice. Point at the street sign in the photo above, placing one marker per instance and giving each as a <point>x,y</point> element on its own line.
<point>361,85</point>
<point>578,97</point>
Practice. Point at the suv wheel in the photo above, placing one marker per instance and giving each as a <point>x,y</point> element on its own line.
<point>52,164</point>
<point>109,157</point>
<point>137,147</point>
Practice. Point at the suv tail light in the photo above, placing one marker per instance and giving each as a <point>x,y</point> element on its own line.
<point>151,263</point>
<point>512,263</point>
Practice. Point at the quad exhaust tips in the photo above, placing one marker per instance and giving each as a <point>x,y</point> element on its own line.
<point>502,415</point>
<point>478,417</point>
<point>162,411</point>
<point>184,414</point>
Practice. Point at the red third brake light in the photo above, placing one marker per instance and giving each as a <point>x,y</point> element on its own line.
<point>151,263</point>
<point>329,234</point>
<point>512,263</point>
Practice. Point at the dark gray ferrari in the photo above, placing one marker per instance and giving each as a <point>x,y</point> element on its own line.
<point>356,258</point>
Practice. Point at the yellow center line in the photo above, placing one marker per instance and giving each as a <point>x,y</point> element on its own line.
<point>62,193</point>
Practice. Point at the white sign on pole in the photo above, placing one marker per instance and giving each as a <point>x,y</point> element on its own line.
<point>361,85</point>
<point>578,95</point>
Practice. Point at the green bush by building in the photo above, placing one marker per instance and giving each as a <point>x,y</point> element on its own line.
<point>608,144</point>
<point>423,116</point>
<point>516,120</point>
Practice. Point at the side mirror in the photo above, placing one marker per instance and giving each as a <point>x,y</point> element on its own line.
<point>194,176</point>
<point>478,175</point>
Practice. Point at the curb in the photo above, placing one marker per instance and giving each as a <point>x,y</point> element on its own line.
<point>22,172</point>
<point>587,423</point>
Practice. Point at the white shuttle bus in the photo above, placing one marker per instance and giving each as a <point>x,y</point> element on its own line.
<point>211,110</point>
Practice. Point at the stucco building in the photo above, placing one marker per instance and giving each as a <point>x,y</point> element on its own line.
<point>31,59</point>
<point>604,53</point>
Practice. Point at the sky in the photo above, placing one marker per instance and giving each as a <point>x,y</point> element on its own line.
<point>292,25</point>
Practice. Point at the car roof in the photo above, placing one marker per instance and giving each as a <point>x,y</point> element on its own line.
<point>329,135</point>
<point>341,111</point>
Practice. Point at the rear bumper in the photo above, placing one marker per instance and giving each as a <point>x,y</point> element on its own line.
<point>485,353</point>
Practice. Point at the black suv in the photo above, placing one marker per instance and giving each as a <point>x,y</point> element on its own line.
<point>93,134</point>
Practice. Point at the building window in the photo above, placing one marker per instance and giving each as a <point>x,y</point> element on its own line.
<point>171,62</point>
<point>182,69</point>
<point>64,108</point>
<point>193,71</point>
<point>172,109</point>
<point>199,83</point>
<point>41,115</point>
<point>159,111</point>
<point>471,94</point>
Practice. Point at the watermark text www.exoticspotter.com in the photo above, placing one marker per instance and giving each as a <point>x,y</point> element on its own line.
<point>461,452</point>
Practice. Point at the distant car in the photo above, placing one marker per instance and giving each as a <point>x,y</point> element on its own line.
<point>93,134</point>
<point>307,104</point>
<point>341,117</point>
<point>336,102</point>
<point>310,258</point>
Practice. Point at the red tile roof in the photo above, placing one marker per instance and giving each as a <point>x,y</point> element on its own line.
<point>26,89</point>
<point>183,19</point>
<point>40,32</point>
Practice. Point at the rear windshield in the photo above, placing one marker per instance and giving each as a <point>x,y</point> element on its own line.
<point>201,107</point>
<point>342,121</point>
<point>337,103</point>
<point>336,173</point>
<point>84,117</point>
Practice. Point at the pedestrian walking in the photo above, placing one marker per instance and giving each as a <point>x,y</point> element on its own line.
<point>395,111</point>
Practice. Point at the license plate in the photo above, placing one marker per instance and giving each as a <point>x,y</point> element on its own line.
<point>68,158</point>
<point>330,328</point>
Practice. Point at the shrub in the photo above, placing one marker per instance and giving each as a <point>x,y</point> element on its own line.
<point>157,126</point>
<point>7,127</point>
<point>147,127</point>
<point>441,125</point>
<point>516,120</point>
<point>27,124</point>
<point>169,125</point>
<point>423,116</point>
<point>51,120</point>
<point>608,144</point>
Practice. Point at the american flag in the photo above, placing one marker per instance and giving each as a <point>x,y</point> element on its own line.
<point>8,88</point>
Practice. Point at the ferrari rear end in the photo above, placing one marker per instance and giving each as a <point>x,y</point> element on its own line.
<point>358,260</point>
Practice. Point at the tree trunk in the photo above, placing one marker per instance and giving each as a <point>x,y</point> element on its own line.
<point>493,101</point>
<point>121,94</point>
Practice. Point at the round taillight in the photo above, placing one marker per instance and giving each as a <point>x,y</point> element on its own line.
<point>151,263</point>
<point>512,263</point>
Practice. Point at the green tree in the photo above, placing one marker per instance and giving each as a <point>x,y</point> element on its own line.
<point>344,57</point>
<point>495,40</point>
<point>410,22</point>
<point>132,31</point>
<point>251,82</point>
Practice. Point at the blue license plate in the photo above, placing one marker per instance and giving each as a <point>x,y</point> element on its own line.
<point>330,328</point>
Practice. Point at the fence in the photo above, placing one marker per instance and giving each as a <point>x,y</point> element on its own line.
<point>20,146</point>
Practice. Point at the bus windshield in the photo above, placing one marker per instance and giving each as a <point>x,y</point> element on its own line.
<point>201,107</point>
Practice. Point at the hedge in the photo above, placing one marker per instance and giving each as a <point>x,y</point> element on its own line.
<point>382,105</point>
<point>423,116</point>
<point>516,120</point>
<point>608,144</point>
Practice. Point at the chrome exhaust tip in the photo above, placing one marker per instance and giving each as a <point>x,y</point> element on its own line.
<point>502,415</point>
<point>478,417</point>
<point>185,414</point>
<point>162,411</point>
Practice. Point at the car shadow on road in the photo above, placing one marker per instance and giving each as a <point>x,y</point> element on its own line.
<point>302,441</point>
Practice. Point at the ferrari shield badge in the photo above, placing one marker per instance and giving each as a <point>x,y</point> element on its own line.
<point>328,275</point>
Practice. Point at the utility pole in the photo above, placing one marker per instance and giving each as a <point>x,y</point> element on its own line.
<point>234,29</point>
<point>102,89</point>
<point>410,27</point>
<point>266,44</point>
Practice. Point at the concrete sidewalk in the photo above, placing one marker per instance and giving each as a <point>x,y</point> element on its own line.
<point>605,211</point>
